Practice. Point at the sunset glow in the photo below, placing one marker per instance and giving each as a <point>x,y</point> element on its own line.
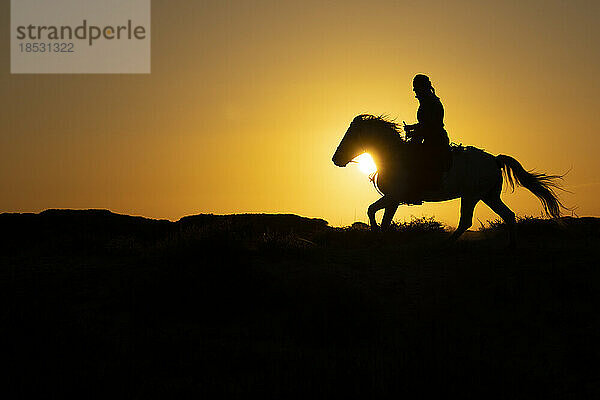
<point>366,164</point>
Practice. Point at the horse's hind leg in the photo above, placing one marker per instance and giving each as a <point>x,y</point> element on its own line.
<point>495,203</point>
<point>467,206</point>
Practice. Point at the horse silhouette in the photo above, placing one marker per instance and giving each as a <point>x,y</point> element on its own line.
<point>473,176</point>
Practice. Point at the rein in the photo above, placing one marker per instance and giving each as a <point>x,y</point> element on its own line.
<point>373,179</point>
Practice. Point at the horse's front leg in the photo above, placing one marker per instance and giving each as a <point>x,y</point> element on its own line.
<point>388,214</point>
<point>390,206</point>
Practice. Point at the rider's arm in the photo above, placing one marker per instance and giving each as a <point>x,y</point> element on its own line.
<point>413,131</point>
<point>410,128</point>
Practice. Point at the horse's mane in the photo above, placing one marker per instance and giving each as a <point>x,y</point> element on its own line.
<point>382,122</point>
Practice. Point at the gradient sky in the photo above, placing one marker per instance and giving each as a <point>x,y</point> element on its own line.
<point>248,100</point>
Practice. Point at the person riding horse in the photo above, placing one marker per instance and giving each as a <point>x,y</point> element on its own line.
<point>433,154</point>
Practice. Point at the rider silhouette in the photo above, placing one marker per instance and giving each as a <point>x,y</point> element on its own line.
<point>429,133</point>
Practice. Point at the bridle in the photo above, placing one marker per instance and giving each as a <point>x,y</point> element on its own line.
<point>358,136</point>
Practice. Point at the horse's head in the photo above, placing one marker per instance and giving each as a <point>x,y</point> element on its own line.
<point>352,143</point>
<point>367,133</point>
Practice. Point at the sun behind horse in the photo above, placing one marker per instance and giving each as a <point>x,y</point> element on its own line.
<point>474,175</point>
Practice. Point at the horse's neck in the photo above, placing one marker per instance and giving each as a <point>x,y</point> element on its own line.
<point>388,154</point>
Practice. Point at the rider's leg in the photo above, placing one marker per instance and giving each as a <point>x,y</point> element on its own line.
<point>438,165</point>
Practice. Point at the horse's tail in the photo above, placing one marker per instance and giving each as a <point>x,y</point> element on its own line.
<point>541,185</point>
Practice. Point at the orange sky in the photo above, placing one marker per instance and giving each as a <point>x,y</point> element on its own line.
<point>247,102</point>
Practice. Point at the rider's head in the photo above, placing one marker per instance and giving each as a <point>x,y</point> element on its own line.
<point>422,86</point>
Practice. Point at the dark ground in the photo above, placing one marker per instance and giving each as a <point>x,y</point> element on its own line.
<point>100,305</point>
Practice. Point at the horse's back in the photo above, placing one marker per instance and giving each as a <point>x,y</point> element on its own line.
<point>480,159</point>
<point>472,171</point>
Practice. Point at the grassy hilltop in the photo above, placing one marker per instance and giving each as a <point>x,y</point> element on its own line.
<point>99,304</point>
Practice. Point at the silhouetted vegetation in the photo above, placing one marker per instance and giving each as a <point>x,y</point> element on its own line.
<point>97,304</point>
